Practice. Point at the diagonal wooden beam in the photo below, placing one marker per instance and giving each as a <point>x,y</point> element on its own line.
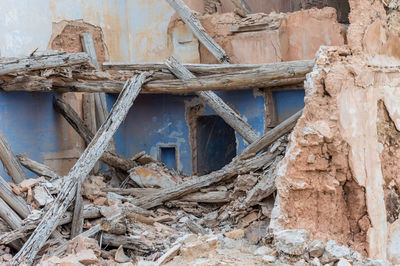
<point>216,103</point>
<point>194,24</point>
<point>79,172</point>
<point>11,164</point>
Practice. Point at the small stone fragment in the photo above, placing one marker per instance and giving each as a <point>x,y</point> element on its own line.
<point>316,248</point>
<point>264,250</point>
<point>87,257</point>
<point>334,252</point>
<point>292,242</point>
<point>41,196</point>
<point>120,256</point>
<point>268,259</point>
<point>235,234</point>
<point>343,262</point>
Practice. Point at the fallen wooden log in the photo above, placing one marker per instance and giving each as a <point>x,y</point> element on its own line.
<point>9,216</point>
<point>17,203</point>
<point>207,197</point>
<point>89,212</point>
<point>216,103</point>
<point>110,158</point>
<point>80,170</point>
<point>135,192</point>
<point>272,135</point>
<point>37,168</point>
<point>130,242</point>
<point>194,24</point>
<point>10,162</point>
<point>26,64</point>
<point>236,167</point>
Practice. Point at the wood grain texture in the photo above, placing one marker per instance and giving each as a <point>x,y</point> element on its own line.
<point>10,161</point>
<point>79,172</point>
<point>17,203</point>
<point>37,168</point>
<point>27,64</point>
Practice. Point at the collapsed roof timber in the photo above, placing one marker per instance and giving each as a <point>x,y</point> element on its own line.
<point>229,164</point>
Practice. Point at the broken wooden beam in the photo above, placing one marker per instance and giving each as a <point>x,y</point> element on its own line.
<point>235,167</point>
<point>9,216</point>
<point>110,158</point>
<point>17,203</point>
<point>37,168</point>
<point>216,103</point>
<point>26,64</point>
<point>11,164</point>
<point>272,135</point>
<point>80,170</point>
<point>265,76</point>
<point>89,212</point>
<point>194,24</point>
<point>207,197</point>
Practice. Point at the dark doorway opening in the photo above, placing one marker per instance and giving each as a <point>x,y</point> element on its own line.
<point>216,143</point>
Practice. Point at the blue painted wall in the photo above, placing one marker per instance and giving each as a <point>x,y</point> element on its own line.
<point>160,119</point>
<point>30,124</point>
<point>288,102</point>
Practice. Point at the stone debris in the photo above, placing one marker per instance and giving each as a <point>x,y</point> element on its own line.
<point>324,193</point>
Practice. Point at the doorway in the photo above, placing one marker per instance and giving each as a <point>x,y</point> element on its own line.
<point>216,143</point>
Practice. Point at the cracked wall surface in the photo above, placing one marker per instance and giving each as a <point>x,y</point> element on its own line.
<point>340,177</point>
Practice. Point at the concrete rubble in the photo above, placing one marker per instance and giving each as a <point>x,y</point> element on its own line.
<point>320,188</point>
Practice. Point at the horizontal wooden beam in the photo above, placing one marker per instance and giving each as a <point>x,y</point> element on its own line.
<point>26,64</point>
<point>262,76</point>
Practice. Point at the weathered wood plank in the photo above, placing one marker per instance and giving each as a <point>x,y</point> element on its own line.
<point>79,172</point>
<point>17,203</point>
<point>9,216</point>
<point>37,168</point>
<point>89,212</point>
<point>27,64</point>
<point>270,112</point>
<point>10,162</point>
<point>77,220</point>
<point>236,167</point>
<point>207,197</point>
<point>272,135</point>
<point>194,24</point>
<point>216,103</point>
<point>265,76</point>
<point>112,159</point>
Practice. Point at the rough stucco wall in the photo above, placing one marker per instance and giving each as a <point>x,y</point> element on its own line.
<point>333,180</point>
<point>134,30</point>
<point>298,37</point>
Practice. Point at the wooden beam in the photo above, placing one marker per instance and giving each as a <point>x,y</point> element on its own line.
<point>216,103</point>
<point>265,76</point>
<point>272,135</point>
<point>9,216</point>
<point>270,112</point>
<point>236,167</point>
<point>17,203</point>
<point>26,64</point>
<point>10,162</point>
<point>112,159</point>
<point>194,24</point>
<point>37,168</point>
<point>79,172</point>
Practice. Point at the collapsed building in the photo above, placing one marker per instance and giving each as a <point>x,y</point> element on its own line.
<point>272,126</point>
